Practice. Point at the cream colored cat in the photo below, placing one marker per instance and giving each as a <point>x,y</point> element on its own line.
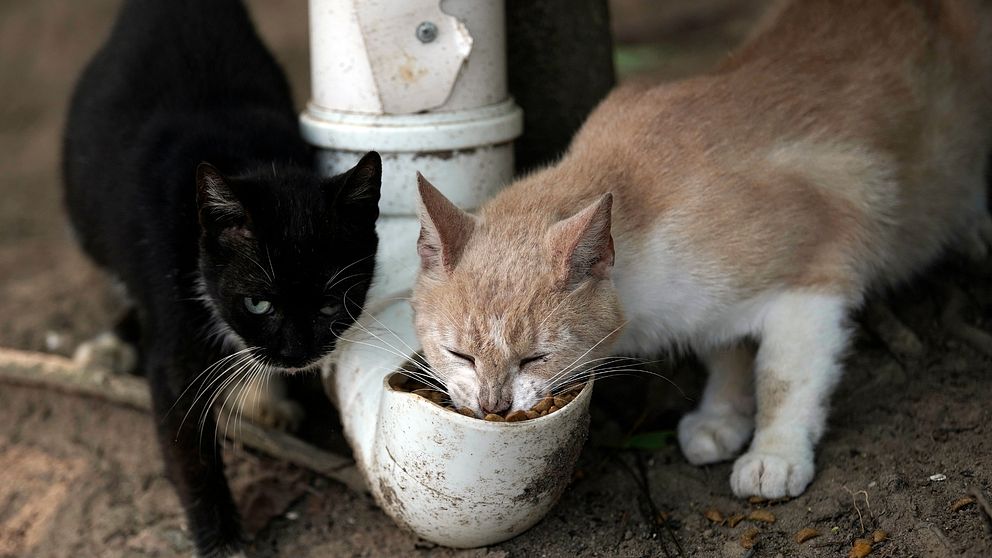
<point>843,148</point>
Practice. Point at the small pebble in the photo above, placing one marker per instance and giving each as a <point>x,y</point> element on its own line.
<point>939,477</point>
<point>53,340</point>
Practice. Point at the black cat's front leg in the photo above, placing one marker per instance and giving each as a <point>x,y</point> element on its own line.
<point>194,463</point>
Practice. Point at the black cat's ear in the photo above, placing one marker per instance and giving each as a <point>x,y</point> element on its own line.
<point>582,245</point>
<point>444,230</point>
<point>215,200</point>
<point>362,183</point>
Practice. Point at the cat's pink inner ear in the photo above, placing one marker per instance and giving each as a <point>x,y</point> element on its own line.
<point>444,229</point>
<point>582,245</point>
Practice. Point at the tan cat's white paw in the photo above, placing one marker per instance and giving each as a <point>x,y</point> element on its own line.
<point>770,475</point>
<point>710,437</point>
<point>107,353</point>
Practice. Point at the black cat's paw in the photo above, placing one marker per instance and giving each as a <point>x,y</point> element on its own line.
<point>265,403</point>
<point>280,414</point>
<point>106,353</point>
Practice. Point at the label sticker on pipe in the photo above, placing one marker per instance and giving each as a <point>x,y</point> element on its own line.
<point>415,51</point>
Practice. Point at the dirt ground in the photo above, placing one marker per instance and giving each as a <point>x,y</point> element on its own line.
<point>910,432</point>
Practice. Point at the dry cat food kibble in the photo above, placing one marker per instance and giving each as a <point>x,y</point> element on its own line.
<point>542,408</point>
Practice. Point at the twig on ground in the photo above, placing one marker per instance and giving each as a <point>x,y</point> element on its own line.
<point>640,478</point>
<point>854,500</point>
<point>57,373</point>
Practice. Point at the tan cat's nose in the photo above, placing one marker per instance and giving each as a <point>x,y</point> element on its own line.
<point>493,407</point>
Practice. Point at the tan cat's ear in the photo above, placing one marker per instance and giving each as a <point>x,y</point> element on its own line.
<point>444,229</point>
<point>582,245</point>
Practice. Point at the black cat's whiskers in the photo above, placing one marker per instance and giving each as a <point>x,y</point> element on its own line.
<point>238,386</point>
<point>206,371</point>
<point>268,256</point>
<point>222,381</point>
<point>420,372</point>
<point>245,389</point>
<point>224,410</point>
<point>328,284</point>
<point>209,384</point>
<point>343,279</point>
<point>423,373</point>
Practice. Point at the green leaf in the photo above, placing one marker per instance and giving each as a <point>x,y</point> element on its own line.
<point>651,441</point>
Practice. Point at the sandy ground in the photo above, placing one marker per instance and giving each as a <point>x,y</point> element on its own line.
<point>79,477</point>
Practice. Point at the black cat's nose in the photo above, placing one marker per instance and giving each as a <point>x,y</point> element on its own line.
<point>291,357</point>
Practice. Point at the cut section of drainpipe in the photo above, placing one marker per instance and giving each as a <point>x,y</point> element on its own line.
<point>424,84</point>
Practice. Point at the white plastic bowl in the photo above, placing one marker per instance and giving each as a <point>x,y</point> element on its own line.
<point>451,479</point>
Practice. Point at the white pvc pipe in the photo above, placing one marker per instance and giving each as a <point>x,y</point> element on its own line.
<point>437,106</point>
<point>423,82</point>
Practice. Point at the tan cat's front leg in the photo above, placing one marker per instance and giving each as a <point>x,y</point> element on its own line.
<point>719,428</point>
<point>797,367</point>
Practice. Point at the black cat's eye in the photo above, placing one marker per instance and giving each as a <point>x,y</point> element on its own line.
<point>528,360</point>
<point>462,356</point>
<point>331,310</point>
<point>257,306</point>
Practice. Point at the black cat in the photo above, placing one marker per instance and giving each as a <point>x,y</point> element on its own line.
<point>253,245</point>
